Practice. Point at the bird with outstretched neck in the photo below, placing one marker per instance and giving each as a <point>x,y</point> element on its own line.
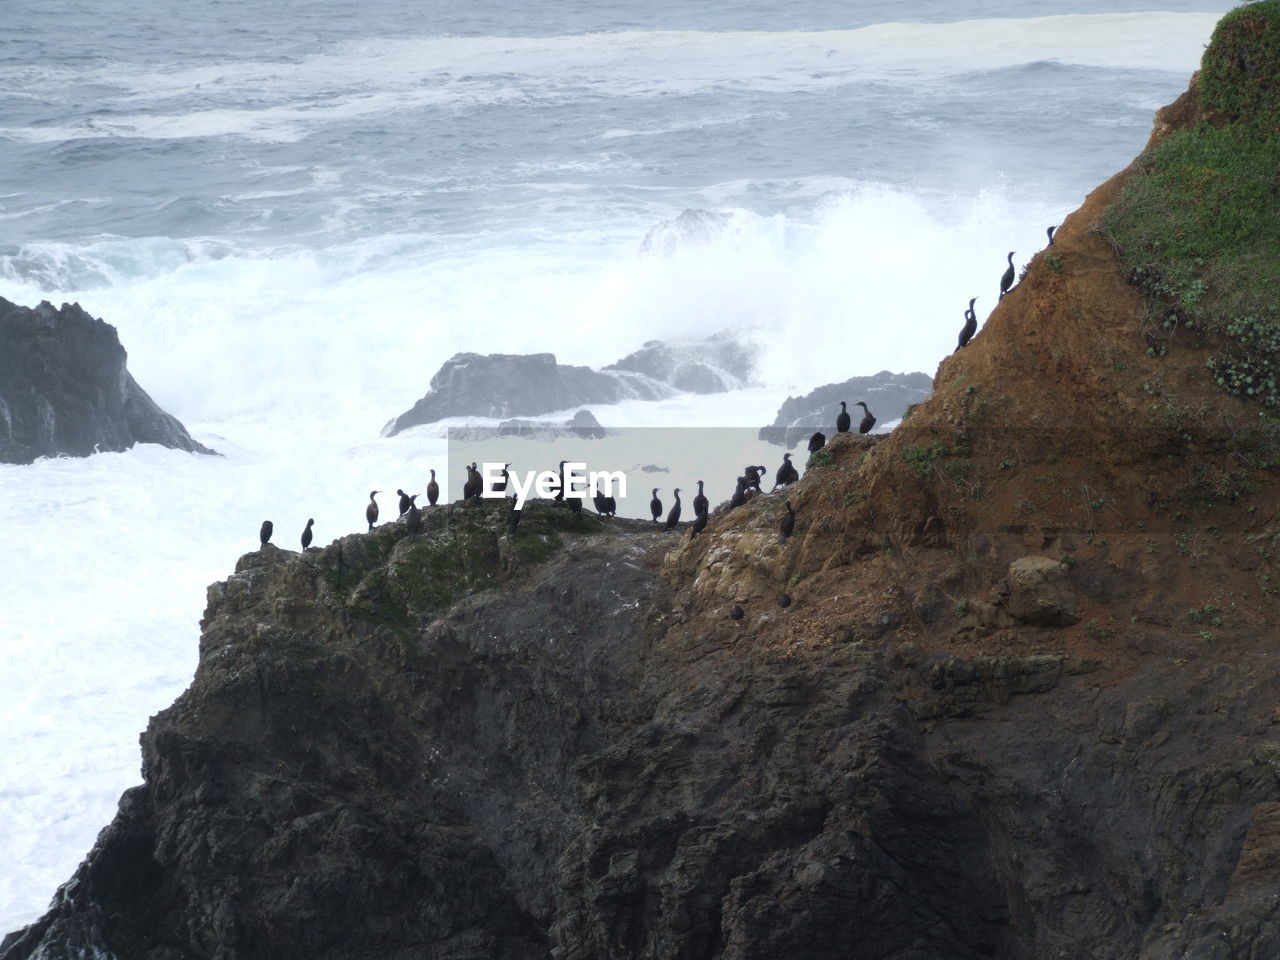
<point>1006,281</point>
<point>868,419</point>
<point>674,516</point>
<point>970,325</point>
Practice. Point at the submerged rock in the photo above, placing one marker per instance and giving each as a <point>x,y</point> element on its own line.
<point>65,390</point>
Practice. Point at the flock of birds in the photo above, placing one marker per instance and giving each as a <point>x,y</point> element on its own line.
<point>747,485</point>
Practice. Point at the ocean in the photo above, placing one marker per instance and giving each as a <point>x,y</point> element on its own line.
<point>295,212</point>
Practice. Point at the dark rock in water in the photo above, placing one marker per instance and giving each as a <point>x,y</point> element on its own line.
<point>582,425</point>
<point>713,365</point>
<point>691,228</point>
<point>889,394</point>
<point>505,385</point>
<point>65,391</point>
<point>514,385</point>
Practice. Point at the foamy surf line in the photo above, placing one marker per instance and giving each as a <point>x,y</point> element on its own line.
<point>369,78</point>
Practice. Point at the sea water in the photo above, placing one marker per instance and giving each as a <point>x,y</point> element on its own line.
<point>295,212</point>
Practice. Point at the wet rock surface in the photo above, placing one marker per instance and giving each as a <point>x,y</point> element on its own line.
<point>65,390</point>
<point>887,395</point>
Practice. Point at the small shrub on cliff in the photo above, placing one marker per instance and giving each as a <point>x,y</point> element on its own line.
<point>1240,72</point>
<point>1196,225</point>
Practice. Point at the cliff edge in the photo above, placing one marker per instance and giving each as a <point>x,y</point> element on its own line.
<point>1020,701</point>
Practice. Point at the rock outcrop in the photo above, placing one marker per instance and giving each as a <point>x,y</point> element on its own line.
<point>710,365</point>
<point>887,394</point>
<point>510,385</point>
<point>562,744</point>
<point>526,385</point>
<point>65,391</point>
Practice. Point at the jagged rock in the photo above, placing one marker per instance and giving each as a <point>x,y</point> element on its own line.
<point>65,391</point>
<point>505,385</point>
<point>1041,594</point>
<point>511,385</point>
<point>691,228</point>
<point>711,365</point>
<point>887,394</point>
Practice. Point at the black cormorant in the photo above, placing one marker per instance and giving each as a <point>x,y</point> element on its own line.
<point>737,613</point>
<point>868,420</point>
<point>404,501</point>
<point>788,522</point>
<point>674,516</point>
<point>433,490</point>
<point>843,420</point>
<point>611,506</point>
<point>560,489</point>
<point>1049,231</point>
<point>471,489</point>
<point>413,519</point>
<point>1006,281</point>
<point>970,325</point>
<point>655,506</point>
<point>264,532</point>
<point>740,494</point>
<point>700,503</point>
<point>817,442</point>
<point>699,524</point>
<point>513,518</point>
<point>786,474</point>
<point>500,485</point>
<point>784,601</point>
<point>306,535</point>
<point>371,511</point>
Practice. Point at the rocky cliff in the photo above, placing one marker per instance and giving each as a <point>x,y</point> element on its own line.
<point>1021,704</point>
<point>65,391</point>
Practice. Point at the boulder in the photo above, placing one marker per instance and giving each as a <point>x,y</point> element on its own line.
<point>65,390</point>
<point>1041,594</point>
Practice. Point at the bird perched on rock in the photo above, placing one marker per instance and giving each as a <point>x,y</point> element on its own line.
<point>513,518</point>
<point>674,516</point>
<point>473,485</point>
<point>787,473</point>
<point>264,532</point>
<point>868,419</point>
<point>655,506</point>
<point>1049,231</point>
<point>784,601</point>
<point>740,494</point>
<point>970,325</point>
<point>843,420</point>
<point>404,501</point>
<point>1006,281</point>
<point>560,487</point>
<point>500,485</point>
<point>433,490</point>
<point>700,503</point>
<point>817,442</point>
<point>699,524</point>
<point>788,522</point>
<point>737,613</point>
<point>306,535</point>
<point>371,511</point>
<point>413,519</point>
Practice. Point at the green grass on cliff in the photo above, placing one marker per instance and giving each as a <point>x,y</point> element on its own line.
<point>1198,225</point>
